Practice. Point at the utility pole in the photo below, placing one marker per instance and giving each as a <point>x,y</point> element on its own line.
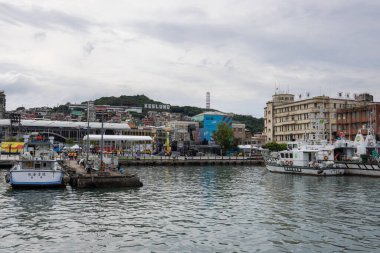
<point>88,133</point>
<point>101,142</point>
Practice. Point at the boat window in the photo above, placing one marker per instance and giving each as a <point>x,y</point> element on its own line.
<point>44,164</point>
<point>291,155</point>
<point>282,155</point>
<point>37,165</point>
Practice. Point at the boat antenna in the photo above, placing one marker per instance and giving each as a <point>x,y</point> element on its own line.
<point>371,127</point>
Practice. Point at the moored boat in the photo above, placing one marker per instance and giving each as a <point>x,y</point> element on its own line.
<point>38,165</point>
<point>358,157</point>
<point>311,156</point>
<point>305,160</point>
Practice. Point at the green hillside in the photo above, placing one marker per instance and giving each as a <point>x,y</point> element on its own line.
<point>137,100</point>
<point>253,124</point>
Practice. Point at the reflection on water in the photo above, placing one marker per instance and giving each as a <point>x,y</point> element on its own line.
<point>197,209</point>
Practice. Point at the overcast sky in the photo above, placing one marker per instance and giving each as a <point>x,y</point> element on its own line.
<point>53,52</point>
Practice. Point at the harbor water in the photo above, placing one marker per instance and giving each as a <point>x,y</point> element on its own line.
<point>197,209</point>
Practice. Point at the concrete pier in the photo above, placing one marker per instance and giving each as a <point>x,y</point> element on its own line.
<point>7,161</point>
<point>191,161</point>
<point>79,178</point>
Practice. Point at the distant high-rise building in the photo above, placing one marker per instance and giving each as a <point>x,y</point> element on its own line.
<point>2,104</point>
<point>208,100</point>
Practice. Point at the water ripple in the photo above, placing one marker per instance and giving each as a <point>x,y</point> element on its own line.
<point>197,209</point>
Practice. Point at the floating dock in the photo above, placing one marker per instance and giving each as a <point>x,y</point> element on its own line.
<point>79,178</point>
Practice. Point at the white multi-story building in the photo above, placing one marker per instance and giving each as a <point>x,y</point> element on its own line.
<point>287,119</point>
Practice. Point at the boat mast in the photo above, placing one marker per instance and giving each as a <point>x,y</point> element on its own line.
<point>88,132</point>
<point>101,142</point>
<point>318,130</point>
<point>371,127</point>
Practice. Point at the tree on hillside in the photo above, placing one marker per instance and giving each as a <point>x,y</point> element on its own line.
<point>274,146</point>
<point>123,100</point>
<point>255,125</point>
<point>224,136</point>
<point>62,109</point>
<point>187,110</point>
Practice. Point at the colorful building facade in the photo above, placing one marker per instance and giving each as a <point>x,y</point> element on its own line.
<point>208,122</point>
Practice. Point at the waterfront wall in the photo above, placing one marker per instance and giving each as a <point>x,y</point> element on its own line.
<point>191,161</point>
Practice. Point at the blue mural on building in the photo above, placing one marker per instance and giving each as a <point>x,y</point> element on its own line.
<point>208,123</point>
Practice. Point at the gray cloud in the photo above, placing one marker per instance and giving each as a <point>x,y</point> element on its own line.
<point>14,83</point>
<point>40,36</point>
<point>88,48</point>
<point>295,32</point>
<point>185,33</point>
<point>40,18</point>
<point>237,49</point>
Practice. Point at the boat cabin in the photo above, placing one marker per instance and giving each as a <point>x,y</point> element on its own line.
<point>37,165</point>
<point>305,157</point>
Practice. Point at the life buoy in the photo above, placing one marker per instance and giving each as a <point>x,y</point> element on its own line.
<point>325,158</point>
<point>286,162</point>
<point>290,162</point>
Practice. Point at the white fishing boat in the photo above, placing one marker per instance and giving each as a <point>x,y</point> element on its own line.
<point>307,160</point>
<point>38,165</point>
<point>311,156</point>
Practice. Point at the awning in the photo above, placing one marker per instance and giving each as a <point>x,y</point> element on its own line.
<point>98,137</point>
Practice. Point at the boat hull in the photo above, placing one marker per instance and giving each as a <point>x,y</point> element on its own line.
<point>360,169</point>
<point>305,170</point>
<point>36,178</point>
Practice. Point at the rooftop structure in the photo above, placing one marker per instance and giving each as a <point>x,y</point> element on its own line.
<point>66,124</point>
<point>62,130</point>
<point>129,138</point>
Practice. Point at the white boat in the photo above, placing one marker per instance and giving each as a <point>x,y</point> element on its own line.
<point>312,156</point>
<point>358,157</point>
<point>306,160</point>
<point>38,166</point>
